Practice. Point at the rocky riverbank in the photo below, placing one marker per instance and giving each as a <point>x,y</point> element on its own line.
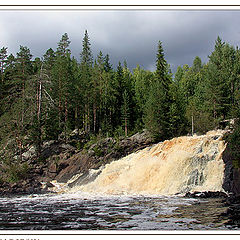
<point>233,210</point>
<point>61,161</point>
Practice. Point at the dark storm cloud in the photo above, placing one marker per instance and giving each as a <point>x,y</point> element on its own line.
<point>125,35</point>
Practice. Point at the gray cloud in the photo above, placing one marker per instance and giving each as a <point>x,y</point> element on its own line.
<point>125,35</point>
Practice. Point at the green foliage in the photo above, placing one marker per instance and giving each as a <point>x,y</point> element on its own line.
<point>98,151</point>
<point>46,98</point>
<point>93,139</point>
<point>156,117</point>
<point>119,132</point>
<point>234,144</point>
<point>157,107</point>
<point>125,112</point>
<point>15,172</point>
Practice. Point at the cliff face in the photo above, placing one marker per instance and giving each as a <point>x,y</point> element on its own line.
<point>231,182</point>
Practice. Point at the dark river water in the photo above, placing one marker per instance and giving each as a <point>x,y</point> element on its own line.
<point>88,212</point>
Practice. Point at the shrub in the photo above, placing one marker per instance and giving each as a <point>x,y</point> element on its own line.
<point>16,172</point>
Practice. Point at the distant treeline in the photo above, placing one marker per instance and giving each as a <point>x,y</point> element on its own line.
<point>46,98</point>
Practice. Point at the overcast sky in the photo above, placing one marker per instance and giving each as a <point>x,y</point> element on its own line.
<point>130,35</point>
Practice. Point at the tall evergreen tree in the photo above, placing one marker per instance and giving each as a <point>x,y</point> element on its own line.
<point>24,70</point>
<point>61,82</point>
<point>197,64</point>
<point>49,59</point>
<point>85,79</point>
<point>108,98</point>
<point>63,45</point>
<point>218,84</point>
<point>157,108</point>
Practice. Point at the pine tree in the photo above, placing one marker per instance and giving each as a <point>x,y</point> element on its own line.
<point>63,45</point>
<point>60,76</point>
<point>24,70</point>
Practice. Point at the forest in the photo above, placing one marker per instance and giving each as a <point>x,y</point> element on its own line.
<point>47,98</point>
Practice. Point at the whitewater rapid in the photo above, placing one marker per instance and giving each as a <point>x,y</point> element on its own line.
<point>177,166</point>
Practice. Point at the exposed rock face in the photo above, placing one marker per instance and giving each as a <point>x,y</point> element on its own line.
<point>100,153</point>
<point>207,194</point>
<point>30,153</point>
<point>231,182</point>
<point>61,161</point>
<point>54,148</point>
<point>29,186</point>
<point>233,210</point>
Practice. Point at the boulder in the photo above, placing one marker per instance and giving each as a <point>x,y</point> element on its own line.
<point>143,137</point>
<point>28,186</point>
<point>30,153</point>
<point>207,194</point>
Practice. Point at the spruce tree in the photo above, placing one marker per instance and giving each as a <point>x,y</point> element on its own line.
<point>108,98</point>
<point>86,61</point>
<point>157,107</point>
<point>49,59</point>
<point>197,64</point>
<point>218,76</point>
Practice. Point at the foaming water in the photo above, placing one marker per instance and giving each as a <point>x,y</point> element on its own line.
<point>174,166</point>
<point>84,211</point>
<point>142,191</point>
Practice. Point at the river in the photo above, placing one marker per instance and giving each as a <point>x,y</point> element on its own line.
<point>138,192</point>
<point>111,212</point>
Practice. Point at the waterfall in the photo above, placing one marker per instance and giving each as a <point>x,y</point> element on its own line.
<point>179,165</point>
